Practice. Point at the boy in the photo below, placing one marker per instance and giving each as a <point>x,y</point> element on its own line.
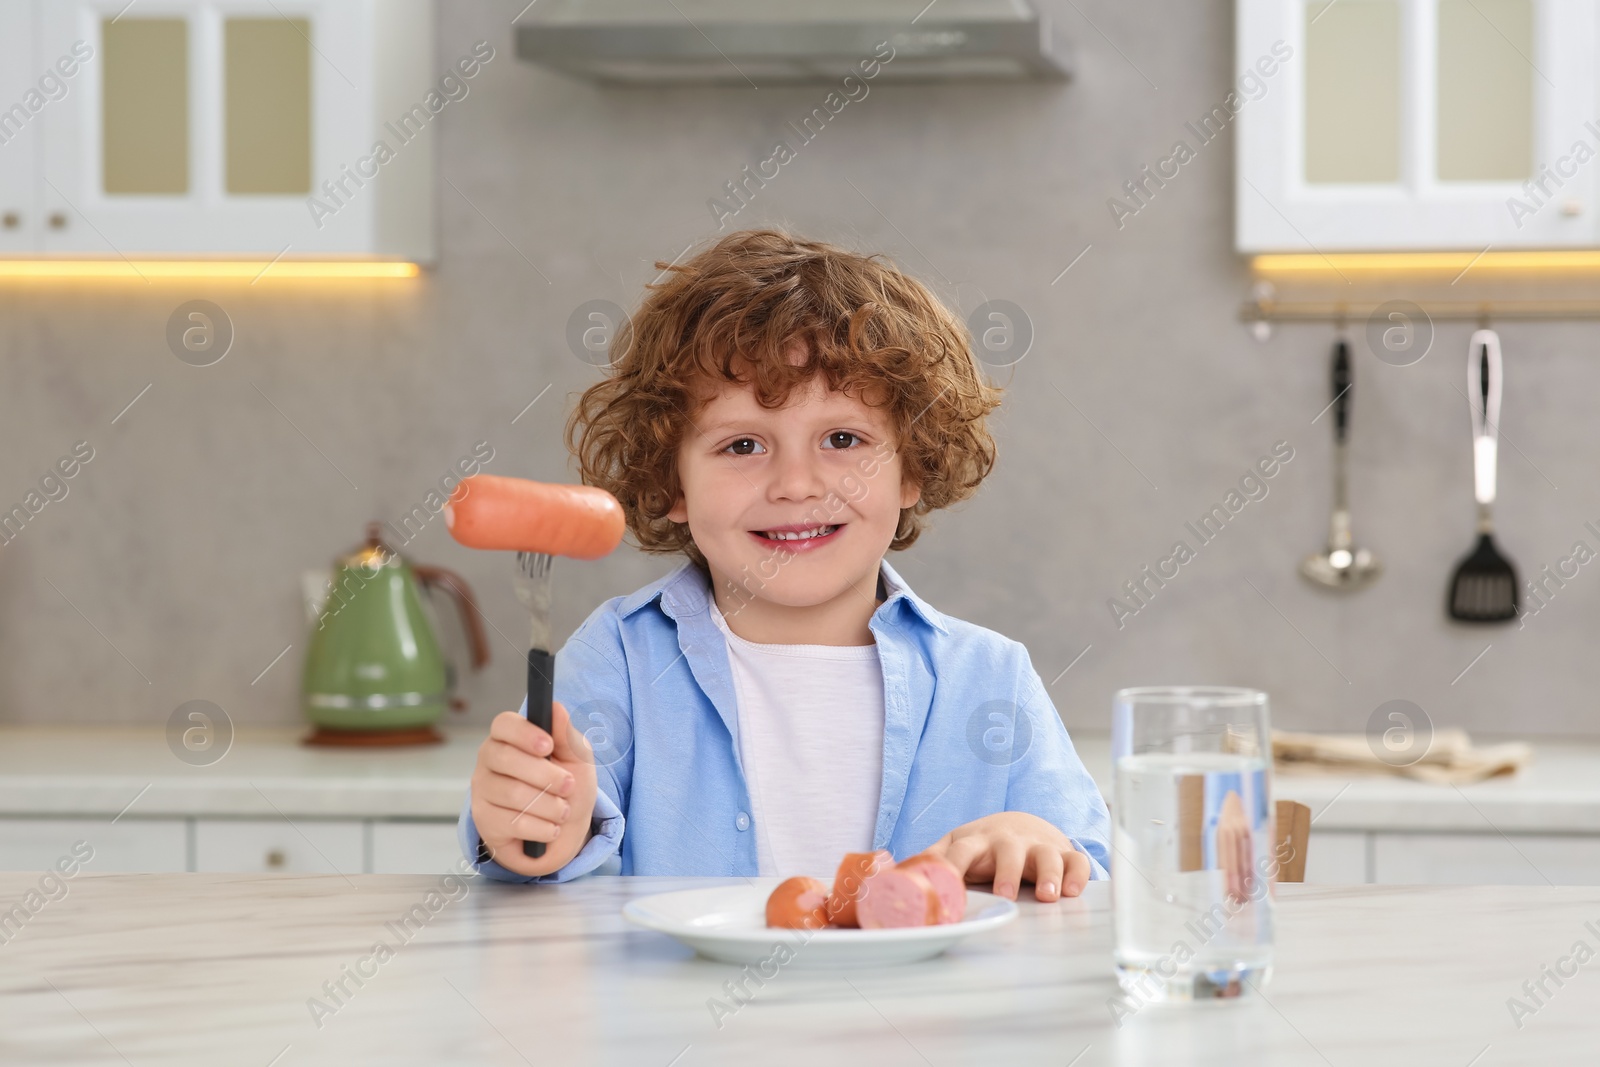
<point>783,412</point>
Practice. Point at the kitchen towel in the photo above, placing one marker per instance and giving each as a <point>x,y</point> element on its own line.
<point>1450,760</point>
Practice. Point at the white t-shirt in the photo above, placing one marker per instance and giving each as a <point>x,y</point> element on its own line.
<point>811,741</point>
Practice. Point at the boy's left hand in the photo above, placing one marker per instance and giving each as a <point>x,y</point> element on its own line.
<point>1012,847</point>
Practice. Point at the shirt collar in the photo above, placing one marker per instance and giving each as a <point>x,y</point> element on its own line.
<point>686,591</point>
<point>898,587</point>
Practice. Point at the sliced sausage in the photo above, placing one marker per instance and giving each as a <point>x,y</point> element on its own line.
<point>849,882</point>
<point>946,881</point>
<point>798,904</point>
<point>896,897</point>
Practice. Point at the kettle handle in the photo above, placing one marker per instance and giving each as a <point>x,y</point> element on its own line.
<point>466,603</point>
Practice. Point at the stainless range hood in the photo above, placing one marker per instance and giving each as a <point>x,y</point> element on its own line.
<point>760,42</point>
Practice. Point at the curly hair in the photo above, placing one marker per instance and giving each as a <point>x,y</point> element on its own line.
<point>730,314</point>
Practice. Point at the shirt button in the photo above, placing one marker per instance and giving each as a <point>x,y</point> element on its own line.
<point>742,822</point>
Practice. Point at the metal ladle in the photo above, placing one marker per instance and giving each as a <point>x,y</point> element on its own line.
<point>1341,565</point>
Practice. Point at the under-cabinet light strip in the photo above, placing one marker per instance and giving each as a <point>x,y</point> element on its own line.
<point>1427,262</point>
<point>147,270</point>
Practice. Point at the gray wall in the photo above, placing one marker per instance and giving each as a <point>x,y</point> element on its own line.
<point>180,545</point>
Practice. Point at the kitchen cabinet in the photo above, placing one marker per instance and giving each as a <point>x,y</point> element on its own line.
<point>143,846</point>
<point>1338,857</point>
<point>1388,858</point>
<point>18,134</point>
<point>305,846</point>
<point>1486,859</point>
<point>428,846</point>
<point>217,128</point>
<point>1414,124</point>
<point>273,845</point>
<point>414,848</point>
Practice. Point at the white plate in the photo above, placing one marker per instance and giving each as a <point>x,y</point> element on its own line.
<point>729,923</point>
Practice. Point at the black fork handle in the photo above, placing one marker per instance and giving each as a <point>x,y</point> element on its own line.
<point>541,686</point>
<point>1483,376</point>
<point>1342,380</point>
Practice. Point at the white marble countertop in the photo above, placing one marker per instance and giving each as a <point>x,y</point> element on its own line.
<point>1557,792</point>
<point>98,770</point>
<point>92,771</point>
<point>197,969</point>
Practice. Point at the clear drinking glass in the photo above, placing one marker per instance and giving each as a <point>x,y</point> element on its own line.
<point>1193,855</point>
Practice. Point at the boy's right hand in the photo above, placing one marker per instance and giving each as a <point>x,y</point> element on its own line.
<point>520,795</point>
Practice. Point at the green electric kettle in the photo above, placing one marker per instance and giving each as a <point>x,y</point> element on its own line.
<point>374,671</point>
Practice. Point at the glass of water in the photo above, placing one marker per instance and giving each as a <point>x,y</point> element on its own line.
<point>1193,855</point>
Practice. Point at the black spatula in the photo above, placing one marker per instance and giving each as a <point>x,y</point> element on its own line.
<point>1484,588</point>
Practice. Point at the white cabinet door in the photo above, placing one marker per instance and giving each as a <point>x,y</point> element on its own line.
<point>144,156</point>
<point>1486,859</point>
<point>1416,124</point>
<point>214,127</point>
<point>22,98</point>
<point>415,848</point>
<point>1337,857</point>
<point>144,846</point>
<point>305,846</point>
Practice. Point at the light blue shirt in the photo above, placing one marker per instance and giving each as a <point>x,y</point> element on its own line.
<point>968,731</point>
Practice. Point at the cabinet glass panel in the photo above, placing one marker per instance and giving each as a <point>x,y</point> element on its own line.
<point>1352,125</point>
<point>145,131</point>
<point>1486,77</point>
<point>268,110</point>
